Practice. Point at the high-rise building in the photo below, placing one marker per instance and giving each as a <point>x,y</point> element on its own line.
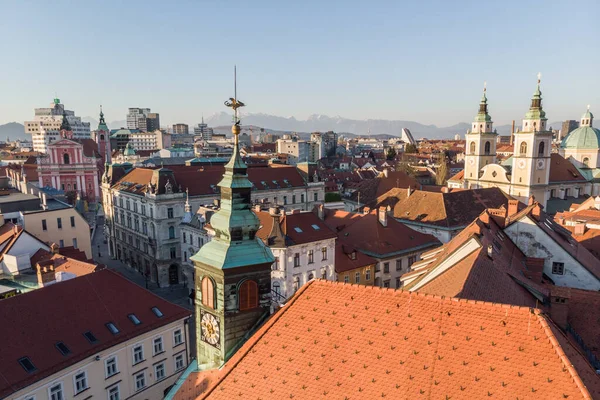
<point>180,129</point>
<point>143,119</point>
<point>45,127</point>
<point>567,127</point>
<point>203,131</point>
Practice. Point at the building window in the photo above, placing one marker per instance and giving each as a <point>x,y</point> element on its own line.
<point>472,148</point>
<point>184,237</point>
<point>296,259</point>
<point>157,345</point>
<point>151,212</point>
<point>523,148</point>
<point>138,354</point>
<point>357,277</point>
<point>61,243</point>
<point>302,198</point>
<point>346,279</point>
<point>80,382</point>
<point>111,366</point>
<point>316,196</point>
<point>541,149</point>
<point>586,162</point>
<point>171,232</point>
<point>177,338</point>
<point>143,209</point>
<point>276,264</point>
<point>397,283</point>
<point>169,212</point>
<point>113,393</point>
<point>128,204</point>
<point>284,200</point>
<point>179,362</point>
<point>248,295</point>
<point>324,254</point>
<point>159,371</point>
<point>75,243</point>
<point>399,264</point>
<point>558,268</point>
<point>140,381</point>
<point>293,199</point>
<point>411,260</point>
<point>173,252</point>
<point>208,293</point>
<point>386,284</point>
<point>44,226</point>
<point>386,268</point>
<point>368,274</point>
<point>72,222</point>
<point>277,289</point>
<point>296,283</point>
<point>66,159</point>
<point>56,392</point>
<point>311,256</point>
<point>59,223</point>
<point>185,256</point>
<point>487,148</point>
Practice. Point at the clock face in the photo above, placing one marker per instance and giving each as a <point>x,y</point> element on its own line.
<point>210,329</point>
<point>540,164</point>
<point>522,164</point>
<point>471,161</point>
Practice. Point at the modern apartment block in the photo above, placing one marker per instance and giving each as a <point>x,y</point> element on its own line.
<point>96,336</point>
<point>46,123</point>
<point>180,129</point>
<point>203,131</point>
<point>143,119</point>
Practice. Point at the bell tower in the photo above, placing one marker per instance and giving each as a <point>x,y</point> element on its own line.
<point>103,136</point>
<point>233,270</point>
<point>480,143</point>
<point>532,148</point>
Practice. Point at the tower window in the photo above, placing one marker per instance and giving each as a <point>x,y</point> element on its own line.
<point>541,149</point>
<point>523,148</point>
<point>66,159</point>
<point>208,293</point>
<point>487,148</point>
<point>472,148</point>
<point>248,295</point>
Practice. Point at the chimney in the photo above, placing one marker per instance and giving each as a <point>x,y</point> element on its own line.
<point>579,229</point>
<point>45,272</point>
<point>535,269</point>
<point>531,200</point>
<point>366,210</point>
<point>321,212</point>
<point>512,133</point>
<point>408,192</point>
<point>559,306</point>
<point>490,251</point>
<point>537,211</point>
<point>513,207</point>
<point>54,248</point>
<point>383,216</point>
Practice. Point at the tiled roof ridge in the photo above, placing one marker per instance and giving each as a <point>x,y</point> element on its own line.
<point>562,356</point>
<point>256,337</point>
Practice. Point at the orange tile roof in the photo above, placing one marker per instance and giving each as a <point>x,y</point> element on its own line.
<point>344,341</point>
<point>562,170</point>
<point>344,261</point>
<point>304,221</point>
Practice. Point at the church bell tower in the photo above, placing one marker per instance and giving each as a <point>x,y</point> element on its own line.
<point>233,270</point>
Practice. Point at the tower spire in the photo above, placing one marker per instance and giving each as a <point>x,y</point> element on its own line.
<point>535,119</point>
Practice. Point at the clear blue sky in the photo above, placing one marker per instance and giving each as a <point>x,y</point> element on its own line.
<point>424,61</point>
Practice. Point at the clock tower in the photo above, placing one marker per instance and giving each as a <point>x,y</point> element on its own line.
<point>532,147</point>
<point>233,270</point>
<point>480,143</point>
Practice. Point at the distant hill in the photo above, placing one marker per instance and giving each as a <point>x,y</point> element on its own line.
<point>13,130</point>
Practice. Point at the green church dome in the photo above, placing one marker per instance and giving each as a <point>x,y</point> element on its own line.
<point>584,137</point>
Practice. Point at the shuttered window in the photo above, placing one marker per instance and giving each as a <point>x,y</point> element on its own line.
<point>248,295</point>
<point>208,293</point>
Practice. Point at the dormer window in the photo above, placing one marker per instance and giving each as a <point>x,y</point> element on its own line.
<point>157,312</point>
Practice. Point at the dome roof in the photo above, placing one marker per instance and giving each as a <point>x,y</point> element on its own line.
<point>584,137</point>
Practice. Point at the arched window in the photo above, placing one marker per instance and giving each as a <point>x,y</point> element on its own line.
<point>472,148</point>
<point>311,276</point>
<point>523,148</point>
<point>487,148</point>
<point>541,149</point>
<point>171,232</point>
<point>586,161</point>
<point>248,295</point>
<point>208,293</point>
<point>66,159</point>
<point>101,137</point>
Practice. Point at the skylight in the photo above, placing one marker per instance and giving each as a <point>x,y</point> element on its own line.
<point>64,350</point>
<point>112,328</point>
<point>133,318</point>
<point>297,229</point>
<point>90,337</point>
<point>27,364</point>
<point>157,312</point>
<point>315,227</point>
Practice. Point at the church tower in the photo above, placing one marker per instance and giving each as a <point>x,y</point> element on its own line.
<point>65,128</point>
<point>532,148</point>
<point>480,142</point>
<point>103,136</point>
<point>233,270</point>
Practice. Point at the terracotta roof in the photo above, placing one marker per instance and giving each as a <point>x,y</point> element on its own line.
<point>344,260</point>
<point>63,263</point>
<point>32,323</point>
<point>449,210</point>
<point>339,341</point>
<point>458,176</point>
<point>371,189</point>
<point>395,238</point>
<point>562,170</point>
<point>298,228</point>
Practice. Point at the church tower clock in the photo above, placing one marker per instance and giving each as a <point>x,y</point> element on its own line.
<point>480,143</point>
<point>532,148</point>
<point>233,270</point>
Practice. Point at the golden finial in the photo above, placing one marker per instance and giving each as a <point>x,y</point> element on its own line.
<point>234,103</point>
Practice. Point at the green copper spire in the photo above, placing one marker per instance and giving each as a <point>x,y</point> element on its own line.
<point>235,224</point>
<point>102,124</point>
<point>535,110</point>
<point>482,115</point>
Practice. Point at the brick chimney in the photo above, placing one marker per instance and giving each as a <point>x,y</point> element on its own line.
<point>54,248</point>
<point>321,212</point>
<point>366,210</point>
<point>383,217</point>
<point>579,229</point>
<point>537,211</point>
<point>531,200</point>
<point>45,272</point>
<point>559,306</point>
<point>513,207</point>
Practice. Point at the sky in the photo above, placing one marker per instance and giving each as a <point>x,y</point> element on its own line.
<point>424,61</point>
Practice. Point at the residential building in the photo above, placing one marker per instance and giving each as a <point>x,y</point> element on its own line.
<point>395,246</point>
<point>180,129</point>
<point>71,165</point>
<point>335,340</point>
<point>46,125</point>
<point>64,226</point>
<point>202,131</point>
<point>583,221</point>
<point>143,209</point>
<point>143,119</point>
<point>303,247</point>
<point>567,127</point>
<point>98,336</point>
<point>17,246</point>
<point>297,150</point>
<point>354,266</point>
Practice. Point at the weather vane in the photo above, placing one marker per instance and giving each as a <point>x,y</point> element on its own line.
<point>233,102</point>
<point>539,75</point>
<point>484,86</point>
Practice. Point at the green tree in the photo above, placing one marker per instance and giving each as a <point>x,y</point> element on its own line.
<point>442,173</point>
<point>406,168</point>
<point>411,148</point>
<point>332,196</point>
<point>390,153</point>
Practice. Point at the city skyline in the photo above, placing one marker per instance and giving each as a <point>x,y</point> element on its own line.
<point>359,62</point>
